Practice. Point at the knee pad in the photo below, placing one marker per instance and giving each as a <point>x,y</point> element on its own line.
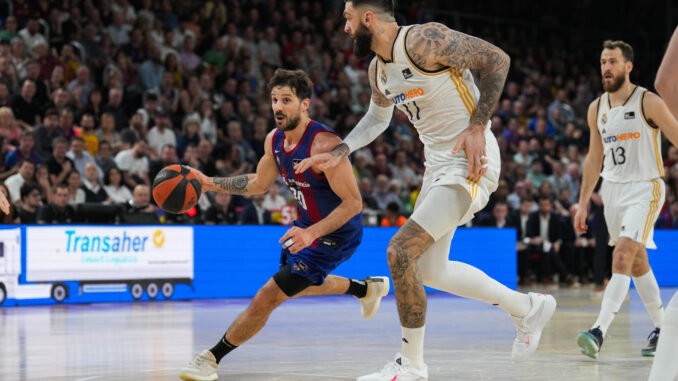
<point>289,282</point>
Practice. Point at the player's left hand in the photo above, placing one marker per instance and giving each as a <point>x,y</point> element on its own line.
<point>4,204</point>
<point>297,238</point>
<point>472,141</point>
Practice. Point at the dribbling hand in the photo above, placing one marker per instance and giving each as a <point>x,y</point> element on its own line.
<point>580,221</point>
<point>201,177</point>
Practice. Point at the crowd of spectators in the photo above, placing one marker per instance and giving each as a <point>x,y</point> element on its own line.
<point>97,97</point>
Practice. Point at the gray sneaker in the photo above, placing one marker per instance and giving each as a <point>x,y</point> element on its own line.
<point>202,368</point>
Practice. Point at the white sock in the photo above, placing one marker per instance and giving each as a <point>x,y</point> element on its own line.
<point>665,366</point>
<point>413,345</point>
<point>614,295</point>
<point>647,288</point>
<point>470,282</point>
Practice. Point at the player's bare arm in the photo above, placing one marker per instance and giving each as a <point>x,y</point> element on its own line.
<point>592,167</point>
<point>434,46</point>
<point>666,82</point>
<point>331,158</point>
<point>343,184</point>
<point>248,184</point>
<point>658,114</point>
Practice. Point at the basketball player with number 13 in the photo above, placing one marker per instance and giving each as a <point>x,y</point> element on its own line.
<point>425,70</point>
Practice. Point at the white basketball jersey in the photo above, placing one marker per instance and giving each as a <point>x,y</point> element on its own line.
<point>632,144</point>
<point>439,103</point>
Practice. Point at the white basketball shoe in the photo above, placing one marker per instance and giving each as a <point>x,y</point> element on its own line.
<point>377,288</point>
<point>529,328</point>
<point>202,368</point>
<point>398,370</point>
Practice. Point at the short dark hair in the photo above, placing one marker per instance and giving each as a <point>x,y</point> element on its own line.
<point>393,207</point>
<point>51,112</point>
<point>297,80</point>
<point>27,188</point>
<point>626,49</point>
<point>386,6</point>
<point>27,160</point>
<point>61,186</point>
<point>59,139</point>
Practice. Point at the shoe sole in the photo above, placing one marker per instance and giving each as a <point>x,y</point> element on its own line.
<point>187,377</point>
<point>647,352</point>
<point>587,345</point>
<point>384,292</point>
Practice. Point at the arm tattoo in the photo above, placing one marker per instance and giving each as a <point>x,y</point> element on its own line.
<point>377,97</point>
<point>233,185</point>
<point>434,46</point>
<point>340,150</point>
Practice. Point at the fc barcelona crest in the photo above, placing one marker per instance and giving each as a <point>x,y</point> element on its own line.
<point>604,118</point>
<point>383,77</point>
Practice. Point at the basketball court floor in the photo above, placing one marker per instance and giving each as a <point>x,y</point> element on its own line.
<point>317,338</point>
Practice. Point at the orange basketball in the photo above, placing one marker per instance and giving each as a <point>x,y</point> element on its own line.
<point>176,189</point>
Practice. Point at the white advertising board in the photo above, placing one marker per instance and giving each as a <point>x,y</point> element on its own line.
<point>107,253</point>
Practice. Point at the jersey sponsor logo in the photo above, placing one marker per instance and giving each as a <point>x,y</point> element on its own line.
<point>407,74</point>
<point>604,118</point>
<point>295,183</point>
<point>407,96</point>
<point>621,137</point>
<point>630,115</point>
<point>383,77</point>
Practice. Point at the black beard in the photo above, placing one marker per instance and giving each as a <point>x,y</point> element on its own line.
<point>362,42</point>
<point>616,84</point>
<point>291,124</point>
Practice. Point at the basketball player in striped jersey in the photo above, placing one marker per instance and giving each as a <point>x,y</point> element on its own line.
<point>327,231</point>
<point>425,71</point>
<point>626,124</point>
<point>665,366</point>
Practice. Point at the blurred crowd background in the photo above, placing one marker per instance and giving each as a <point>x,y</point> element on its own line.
<point>97,97</point>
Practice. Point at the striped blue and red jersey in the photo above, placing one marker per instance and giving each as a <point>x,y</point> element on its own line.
<point>315,197</point>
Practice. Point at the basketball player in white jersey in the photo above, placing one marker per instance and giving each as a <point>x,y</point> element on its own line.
<point>425,70</point>
<point>625,140</point>
<point>665,366</point>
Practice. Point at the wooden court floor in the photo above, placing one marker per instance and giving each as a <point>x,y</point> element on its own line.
<point>318,338</point>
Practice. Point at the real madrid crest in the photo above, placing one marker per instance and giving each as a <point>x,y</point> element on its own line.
<point>604,118</point>
<point>383,77</point>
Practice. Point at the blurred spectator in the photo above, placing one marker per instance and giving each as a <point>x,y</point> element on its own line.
<point>365,186</point>
<point>107,132</point>
<point>402,171</point>
<point>90,140</point>
<point>160,135</point>
<point>46,133</point>
<point>75,193</point>
<point>190,134</point>
<point>246,152</point>
<point>543,230</point>
<point>116,190</point>
<point>81,86</point>
<point>104,159</point>
<point>24,151</point>
<point>91,185</point>
<point>222,212</point>
<point>26,107</point>
<point>273,201</point>
<point>27,209</point>
<point>66,126</point>
<point>58,211</point>
<point>499,217</point>
<point>207,165</point>
<point>168,156</point>
<point>114,107</point>
<point>11,217</point>
<point>381,166</point>
<point>31,33</point>
<point>255,213</point>
<point>8,126</point>
<point>669,219</point>
<point>141,200</point>
<point>14,182</point>
<point>392,216</point>
<point>134,164</point>
<point>59,164</point>
<point>79,156</point>
<point>382,194</point>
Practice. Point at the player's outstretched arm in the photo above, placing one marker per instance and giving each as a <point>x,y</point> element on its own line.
<point>343,184</point>
<point>251,183</point>
<point>592,166</point>
<point>371,125</point>
<point>666,82</point>
<point>658,114</point>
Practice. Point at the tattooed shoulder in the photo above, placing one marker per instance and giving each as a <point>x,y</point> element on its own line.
<point>422,41</point>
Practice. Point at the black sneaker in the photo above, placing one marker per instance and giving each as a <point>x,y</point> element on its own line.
<point>651,344</point>
<point>590,342</point>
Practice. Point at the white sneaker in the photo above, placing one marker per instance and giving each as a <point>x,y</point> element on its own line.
<point>202,368</point>
<point>377,288</point>
<point>528,328</point>
<point>398,370</point>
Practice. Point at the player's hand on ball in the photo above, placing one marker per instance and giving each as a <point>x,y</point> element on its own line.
<point>472,141</point>
<point>4,203</point>
<point>296,239</point>
<point>201,177</point>
<point>580,220</point>
<point>322,160</point>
